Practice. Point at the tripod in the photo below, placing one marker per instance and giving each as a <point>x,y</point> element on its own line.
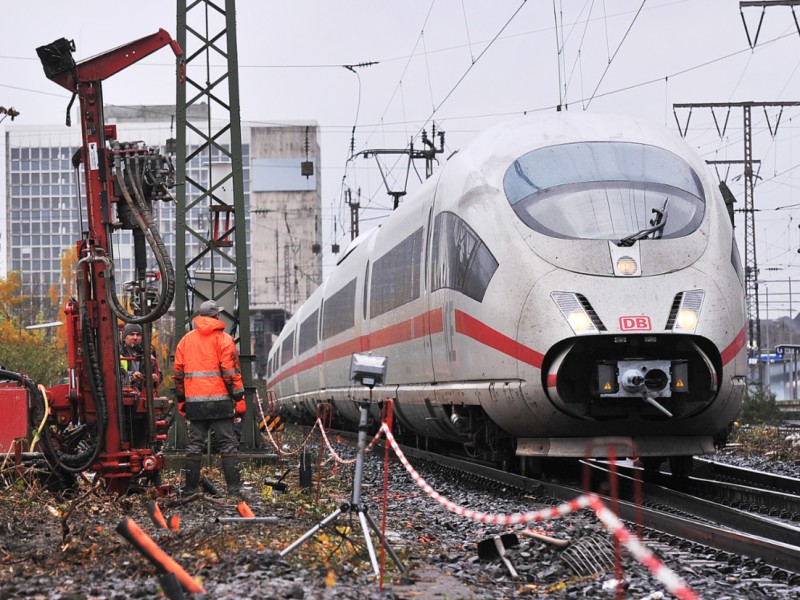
<point>355,506</point>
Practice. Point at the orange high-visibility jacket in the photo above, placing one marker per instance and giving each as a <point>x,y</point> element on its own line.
<point>207,371</point>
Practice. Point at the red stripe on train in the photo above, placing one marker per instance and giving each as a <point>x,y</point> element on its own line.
<point>425,324</point>
<point>472,327</point>
<point>733,349</point>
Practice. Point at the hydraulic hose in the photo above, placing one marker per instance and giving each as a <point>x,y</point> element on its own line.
<point>73,463</point>
<point>144,221</point>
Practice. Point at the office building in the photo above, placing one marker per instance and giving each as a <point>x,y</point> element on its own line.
<point>45,209</point>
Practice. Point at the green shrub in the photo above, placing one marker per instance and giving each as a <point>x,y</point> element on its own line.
<point>759,407</point>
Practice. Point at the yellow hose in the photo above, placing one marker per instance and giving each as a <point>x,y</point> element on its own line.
<point>37,433</point>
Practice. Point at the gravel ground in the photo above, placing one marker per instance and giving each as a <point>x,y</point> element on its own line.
<point>86,559</point>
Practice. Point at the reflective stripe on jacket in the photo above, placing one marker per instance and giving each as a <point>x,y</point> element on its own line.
<point>207,370</point>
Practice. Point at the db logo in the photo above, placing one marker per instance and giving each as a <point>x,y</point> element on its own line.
<point>635,324</point>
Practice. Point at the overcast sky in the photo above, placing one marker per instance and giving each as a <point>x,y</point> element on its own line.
<point>464,64</point>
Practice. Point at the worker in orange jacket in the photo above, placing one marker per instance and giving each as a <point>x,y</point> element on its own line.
<point>208,382</point>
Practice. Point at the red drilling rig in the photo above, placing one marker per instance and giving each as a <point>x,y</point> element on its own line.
<point>98,421</point>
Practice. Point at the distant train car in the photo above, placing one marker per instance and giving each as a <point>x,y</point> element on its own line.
<point>560,282</point>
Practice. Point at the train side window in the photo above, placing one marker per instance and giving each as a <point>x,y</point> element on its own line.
<point>308,333</point>
<point>461,261</point>
<point>736,261</point>
<point>287,349</point>
<point>428,234</point>
<point>366,290</point>
<point>321,312</point>
<point>338,313</point>
<point>396,275</point>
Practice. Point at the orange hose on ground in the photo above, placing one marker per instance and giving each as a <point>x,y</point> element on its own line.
<point>128,529</point>
<point>174,523</point>
<point>155,513</point>
<point>244,510</point>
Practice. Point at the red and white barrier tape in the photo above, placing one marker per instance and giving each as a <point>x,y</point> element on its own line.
<point>333,452</point>
<point>669,578</point>
<point>293,452</point>
<point>640,552</point>
<point>515,519</point>
<point>372,443</point>
<point>336,457</point>
<point>319,424</point>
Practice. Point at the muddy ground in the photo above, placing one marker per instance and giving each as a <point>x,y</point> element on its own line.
<point>67,547</point>
<point>53,546</point>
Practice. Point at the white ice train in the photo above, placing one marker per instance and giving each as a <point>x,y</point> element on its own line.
<point>560,283</point>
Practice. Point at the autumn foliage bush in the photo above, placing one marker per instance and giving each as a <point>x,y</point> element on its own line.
<point>38,353</point>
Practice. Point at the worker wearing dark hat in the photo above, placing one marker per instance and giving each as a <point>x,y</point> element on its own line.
<point>131,352</point>
<point>208,381</point>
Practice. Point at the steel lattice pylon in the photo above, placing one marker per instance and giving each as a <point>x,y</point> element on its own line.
<point>750,260</point>
<point>211,251</point>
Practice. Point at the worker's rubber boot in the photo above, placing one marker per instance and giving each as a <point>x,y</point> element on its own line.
<point>192,466</point>
<point>230,468</point>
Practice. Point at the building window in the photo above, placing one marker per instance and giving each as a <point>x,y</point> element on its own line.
<point>395,276</point>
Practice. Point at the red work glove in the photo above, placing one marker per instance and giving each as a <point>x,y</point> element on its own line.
<point>182,409</point>
<point>241,407</point>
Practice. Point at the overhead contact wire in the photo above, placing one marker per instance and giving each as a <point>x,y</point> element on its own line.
<point>611,60</point>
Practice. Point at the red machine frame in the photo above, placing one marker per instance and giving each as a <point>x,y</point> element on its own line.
<point>135,423</point>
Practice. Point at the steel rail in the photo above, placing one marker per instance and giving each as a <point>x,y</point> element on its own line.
<point>727,529</point>
<point>708,468</point>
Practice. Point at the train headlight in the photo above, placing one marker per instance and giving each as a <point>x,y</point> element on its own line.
<point>689,311</point>
<point>626,265</point>
<point>579,321</point>
<point>574,312</point>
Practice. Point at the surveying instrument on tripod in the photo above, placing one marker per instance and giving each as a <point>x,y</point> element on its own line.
<point>369,371</point>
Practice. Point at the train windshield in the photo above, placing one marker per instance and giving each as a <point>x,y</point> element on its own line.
<point>606,191</point>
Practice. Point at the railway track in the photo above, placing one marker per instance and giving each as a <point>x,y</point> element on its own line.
<point>745,489</point>
<point>666,511</point>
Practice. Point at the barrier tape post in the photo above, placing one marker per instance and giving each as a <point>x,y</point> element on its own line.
<point>614,487</point>
<point>324,418</point>
<point>633,453</point>
<point>386,418</point>
<point>280,451</point>
<point>628,448</point>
